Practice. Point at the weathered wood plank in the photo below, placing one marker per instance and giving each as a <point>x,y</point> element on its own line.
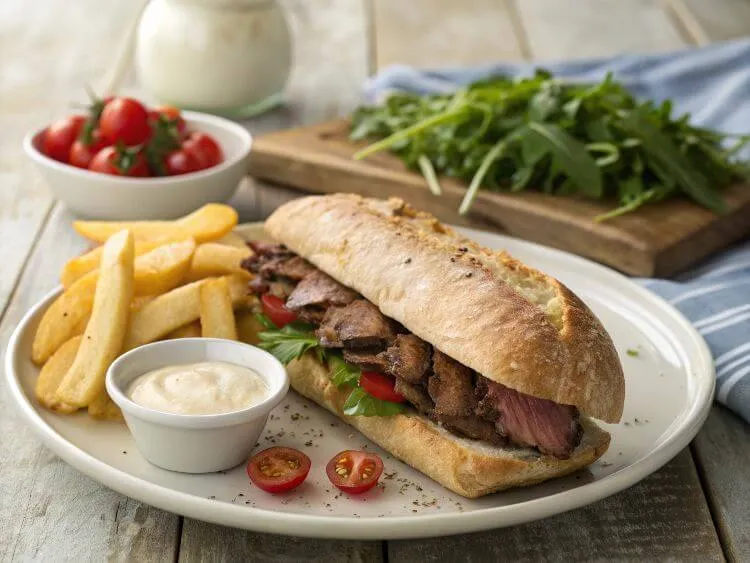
<point>430,33</point>
<point>24,201</point>
<point>715,20</point>
<point>48,510</point>
<point>208,543</point>
<point>722,451</point>
<point>559,29</point>
<point>662,518</point>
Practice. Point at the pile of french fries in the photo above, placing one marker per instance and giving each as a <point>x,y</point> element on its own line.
<point>147,281</point>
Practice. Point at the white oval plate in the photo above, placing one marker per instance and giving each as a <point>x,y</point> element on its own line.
<point>670,384</point>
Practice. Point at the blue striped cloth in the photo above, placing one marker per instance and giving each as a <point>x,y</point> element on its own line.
<point>713,84</point>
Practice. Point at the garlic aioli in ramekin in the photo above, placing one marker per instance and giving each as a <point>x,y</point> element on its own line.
<point>200,388</point>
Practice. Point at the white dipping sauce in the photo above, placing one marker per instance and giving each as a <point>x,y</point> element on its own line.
<point>202,388</point>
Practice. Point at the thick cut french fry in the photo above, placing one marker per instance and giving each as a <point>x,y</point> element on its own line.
<point>52,374</point>
<point>79,266</point>
<point>232,239</point>
<point>103,408</point>
<point>163,268</point>
<point>139,301</point>
<point>102,340</point>
<point>214,259</point>
<point>155,272</point>
<point>217,314</point>
<point>177,308</point>
<point>248,327</point>
<point>191,330</point>
<point>210,222</point>
<point>65,318</point>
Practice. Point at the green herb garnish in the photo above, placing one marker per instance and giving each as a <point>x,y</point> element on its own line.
<point>595,141</point>
<point>632,352</point>
<point>360,403</point>
<point>290,342</point>
<point>343,373</point>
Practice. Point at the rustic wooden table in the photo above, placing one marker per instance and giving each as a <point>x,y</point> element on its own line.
<point>695,508</point>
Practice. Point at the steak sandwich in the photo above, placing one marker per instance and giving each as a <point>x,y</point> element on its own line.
<point>485,370</point>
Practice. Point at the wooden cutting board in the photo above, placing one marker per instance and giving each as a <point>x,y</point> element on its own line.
<point>658,240</point>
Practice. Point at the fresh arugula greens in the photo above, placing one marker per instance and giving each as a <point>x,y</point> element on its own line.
<point>293,340</point>
<point>290,342</point>
<point>595,141</point>
<point>360,403</point>
<point>343,373</point>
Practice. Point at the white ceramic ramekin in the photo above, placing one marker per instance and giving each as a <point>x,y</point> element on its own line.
<point>195,443</point>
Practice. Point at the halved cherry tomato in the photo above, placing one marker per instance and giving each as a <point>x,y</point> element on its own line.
<point>205,148</point>
<point>60,136</point>
<point>354,471</point>
<point>380,386</point>
<point>181,162</point>
<point>82,153</point>
<point>171,114</point>
<point>125,120</point>
<point>119,162</point>
<point>274,308</point>
<point>278,469</point>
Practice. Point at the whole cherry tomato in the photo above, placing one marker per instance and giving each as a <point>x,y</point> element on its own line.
<point>60,136</point>
<point>181,162</point>
<point>119,161</point>
<point>172,115</point>
<point>125,120</point>
<point>205,148</point>
<point>83,150</point>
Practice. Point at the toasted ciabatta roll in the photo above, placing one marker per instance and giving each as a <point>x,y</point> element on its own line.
<point>509,323</point>
<point>468,467</point>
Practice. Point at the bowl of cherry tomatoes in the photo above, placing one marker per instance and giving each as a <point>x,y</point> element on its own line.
<point>124,160</point>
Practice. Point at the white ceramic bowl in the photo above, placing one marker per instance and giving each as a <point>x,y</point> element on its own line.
<point>103,196</point>
<point>195,443</point>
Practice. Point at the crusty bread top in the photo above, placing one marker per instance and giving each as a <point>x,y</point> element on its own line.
<point>510,323</point>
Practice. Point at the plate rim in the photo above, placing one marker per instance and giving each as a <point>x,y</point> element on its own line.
<point>374,528</point>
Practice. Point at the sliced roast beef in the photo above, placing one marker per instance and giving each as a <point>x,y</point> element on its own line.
<point>312,314</point>
<point>321,290</point>
<point>475,428</point>
<point>266,248</point>
<point>409,358</point>
<point>451,386</point>
<point>280,289</point>
<point>357,325</point>
<point>259,286</point>
<point>415,394</point>
<point>264,252</point>
<point>369,359</point>
<point>272,260</point>
<point>294,268</point>
<point>529,421</point>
